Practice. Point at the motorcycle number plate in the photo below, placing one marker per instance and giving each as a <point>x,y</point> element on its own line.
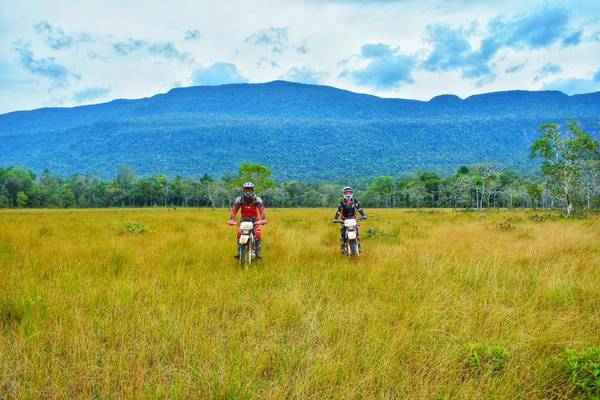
<point>246,226</point>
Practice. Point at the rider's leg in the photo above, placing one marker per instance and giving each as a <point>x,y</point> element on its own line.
<point>258,236</point>
<point>342,237</point>
<point>237,252</point>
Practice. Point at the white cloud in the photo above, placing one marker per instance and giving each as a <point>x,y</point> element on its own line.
<point>217,74</point>
<point>304,75</point>
<point>573,85</point>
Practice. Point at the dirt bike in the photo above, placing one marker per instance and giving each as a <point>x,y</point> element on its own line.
<point>247,241</point>
<point>352,246</point>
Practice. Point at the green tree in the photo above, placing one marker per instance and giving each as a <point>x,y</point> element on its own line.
<point>432,183</point>
<point>415,192</point>
<point>146,192</point>
<point>563,156</point>
<point>534,190</point>
<point>382,191</point>
<point>3,173</point>
<point>17,180</point>
<point>462,187</point>
<point>48,188</point>
<point>483,175</point>
<point>115,195</point>
<point>21,199</point>
<point>163,186</point>
<point>67,196</point>
<point>463,170</point>
<point>126,180</point>
<point>97,192</point>
<point>255,173</point>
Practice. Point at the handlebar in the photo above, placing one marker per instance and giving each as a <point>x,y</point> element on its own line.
<point>339,221</point>
<point>258,222</point>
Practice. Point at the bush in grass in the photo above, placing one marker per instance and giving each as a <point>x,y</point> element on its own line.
<point>537,218</point>
<point>35,311</point>
<point>11,314</point>
<point>134,228</point>
<point>506,226</point>
<point>584,369</point>
<point>376,233</point>
<point>484,359</point>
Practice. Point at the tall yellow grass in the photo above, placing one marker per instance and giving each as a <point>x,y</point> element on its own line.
<point>87,312</point>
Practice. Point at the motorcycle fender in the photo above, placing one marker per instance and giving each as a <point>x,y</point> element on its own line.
<point>352,235</point>
<point>244,239</point>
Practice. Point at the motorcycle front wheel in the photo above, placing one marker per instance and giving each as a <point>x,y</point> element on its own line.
<point>250,252</point>
<point>353,248</point>
<point>242,251</point>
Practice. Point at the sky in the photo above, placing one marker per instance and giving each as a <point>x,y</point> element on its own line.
<point>67,53</point>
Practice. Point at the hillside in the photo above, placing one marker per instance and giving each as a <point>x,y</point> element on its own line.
<point>301,131</point>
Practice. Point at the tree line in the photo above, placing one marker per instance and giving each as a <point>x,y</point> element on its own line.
<point>569,178</point>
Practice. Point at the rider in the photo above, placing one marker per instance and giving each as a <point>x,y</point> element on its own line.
<point>347,209</point>
<point>252,208</point>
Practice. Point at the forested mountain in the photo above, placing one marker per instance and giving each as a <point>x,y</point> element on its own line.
<point>300,131</point>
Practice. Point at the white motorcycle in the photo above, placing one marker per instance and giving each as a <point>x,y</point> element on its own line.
<point>247,241</point>
<point>352,246</point>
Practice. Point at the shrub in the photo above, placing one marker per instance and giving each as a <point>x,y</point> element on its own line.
<point>506,226</point>
<point>134,228</point>
<point>11,314</point>
<point>376,233</point>
<point>537,218</point>
<point>584,370</point>
<point>35,311</point>
<point>45,231</point>
<point>483,358</point>
<point>578,213</point>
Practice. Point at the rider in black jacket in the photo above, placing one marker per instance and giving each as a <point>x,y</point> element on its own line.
<point>347,209</point>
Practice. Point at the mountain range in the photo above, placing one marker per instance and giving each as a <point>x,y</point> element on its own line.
<point>303,132</point>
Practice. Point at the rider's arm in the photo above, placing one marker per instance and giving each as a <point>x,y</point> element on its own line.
<point>262,211</point>
<point>338,212</point>
<point>359,208</point>
<point>236,207</point>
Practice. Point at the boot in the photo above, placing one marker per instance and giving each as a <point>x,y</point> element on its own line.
<point>258,248</point>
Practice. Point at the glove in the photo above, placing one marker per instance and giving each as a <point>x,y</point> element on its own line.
<point>335,221</point>
<point>231,222</point>
<point>364,217</point>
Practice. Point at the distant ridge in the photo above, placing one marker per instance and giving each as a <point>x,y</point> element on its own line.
<point>301,131</point>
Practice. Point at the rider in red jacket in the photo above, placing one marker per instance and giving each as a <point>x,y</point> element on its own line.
<point>252,208</point>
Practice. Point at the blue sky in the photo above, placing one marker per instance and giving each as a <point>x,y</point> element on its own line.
<point>66,53</point>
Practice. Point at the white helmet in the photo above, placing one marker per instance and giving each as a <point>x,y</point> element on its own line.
<point>248,190</point>
<point>348,193</point>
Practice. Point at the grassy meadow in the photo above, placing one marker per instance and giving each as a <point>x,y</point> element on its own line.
<point>443,304</point>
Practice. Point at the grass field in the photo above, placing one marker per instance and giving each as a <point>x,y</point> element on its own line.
<point>442,305</point>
